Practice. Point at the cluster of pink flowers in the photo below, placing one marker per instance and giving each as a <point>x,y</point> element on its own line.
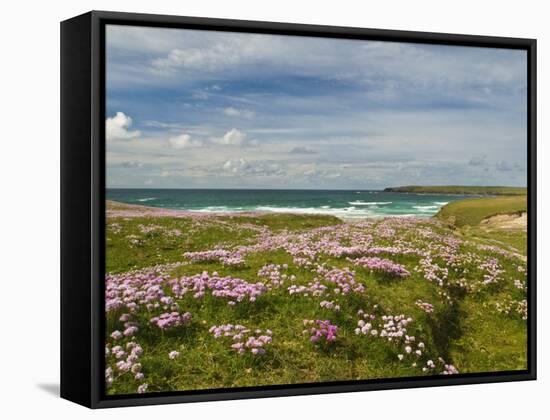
<point>519,284</point>
<point>393,329</point>
<point>500,251</point>
<point>382,265</point>
<point>425,306</point>
<point>130,328</point>
<point>207,256</point>
<point>511,306</point>
<point>347,251</point>
<point>115,227</point>
<point>272,273</point>
<point>232,260</point>
<point>343,279</point>
<point>149,228</point>
<point>242,339</point>
<point>493,269</point>
<point>433,272</point>
<point>331,305</point>
<point>227,258</point>
<point>314,288</point>
<point>320,331</point>
<point>123,359</point>
<point>390,327</point>
<point>448,369</point>
<point>171,320</point>
<point>173,354</point>
<point>135,291</point>
<point>233,289</point>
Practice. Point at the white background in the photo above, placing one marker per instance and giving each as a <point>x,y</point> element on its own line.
<point>29,153</point>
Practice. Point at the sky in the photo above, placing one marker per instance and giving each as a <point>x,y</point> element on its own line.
<point>207,109</point>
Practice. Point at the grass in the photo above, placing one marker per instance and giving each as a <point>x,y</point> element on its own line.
<point>459,189</point>
<point>129,248</point>
<point>513,240</point>
<point>473,210</point>
<point>465,328</point>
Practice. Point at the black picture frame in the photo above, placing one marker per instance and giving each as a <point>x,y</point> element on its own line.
<point>83,206</point>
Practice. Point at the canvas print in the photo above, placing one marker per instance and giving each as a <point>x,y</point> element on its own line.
<point>289,210</point>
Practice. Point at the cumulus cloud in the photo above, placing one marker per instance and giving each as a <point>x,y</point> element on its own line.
<point>184,140</point>
<point>301,150</point>
<point>118,128</point>
<point>241,166</point>
<point>243,113</point>
<point>215,58</point>
<point>236,165</point>
<point>235,137</point>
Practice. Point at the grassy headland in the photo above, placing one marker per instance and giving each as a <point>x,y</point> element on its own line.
<point>500,220</point>
<point>473,211</point>
<point>408,297</point>
<point>458,189</point>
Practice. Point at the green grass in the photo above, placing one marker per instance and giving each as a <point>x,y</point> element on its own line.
<point>459,189</point>
<point>128,248</point>
<point>473,210</point>
<point>512,240</point>
<point>468,332</point>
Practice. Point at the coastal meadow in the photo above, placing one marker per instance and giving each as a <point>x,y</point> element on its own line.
<point>195,301</point>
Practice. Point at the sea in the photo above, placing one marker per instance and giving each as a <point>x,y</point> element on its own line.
<point>345,204</point>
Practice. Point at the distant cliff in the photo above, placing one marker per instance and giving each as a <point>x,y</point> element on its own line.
<point>458,189</point>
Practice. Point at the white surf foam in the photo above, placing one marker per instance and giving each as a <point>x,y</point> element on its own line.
<point>426,208</point>
<point>369,203</point>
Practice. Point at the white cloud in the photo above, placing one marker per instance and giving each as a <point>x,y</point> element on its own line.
<point>234,137</point>
<point>215,58</point>
<point>243,113</point>
<point>241,166</point>
<point>236,165</point>
<point>184,140</point>
<point>118,128</point>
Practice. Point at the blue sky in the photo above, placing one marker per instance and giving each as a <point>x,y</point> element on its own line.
<point>206,109</point>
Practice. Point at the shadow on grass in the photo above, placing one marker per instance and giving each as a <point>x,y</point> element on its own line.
<point>446,327</point>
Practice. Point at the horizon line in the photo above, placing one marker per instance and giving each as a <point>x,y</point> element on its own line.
<point>308,189</point>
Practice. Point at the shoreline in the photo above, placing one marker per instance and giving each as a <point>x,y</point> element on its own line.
<point>120,209</point>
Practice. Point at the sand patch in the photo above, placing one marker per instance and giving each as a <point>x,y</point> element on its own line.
<point>516,221</point>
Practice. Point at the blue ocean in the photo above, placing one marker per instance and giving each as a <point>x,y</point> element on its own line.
<point>352,204</point>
